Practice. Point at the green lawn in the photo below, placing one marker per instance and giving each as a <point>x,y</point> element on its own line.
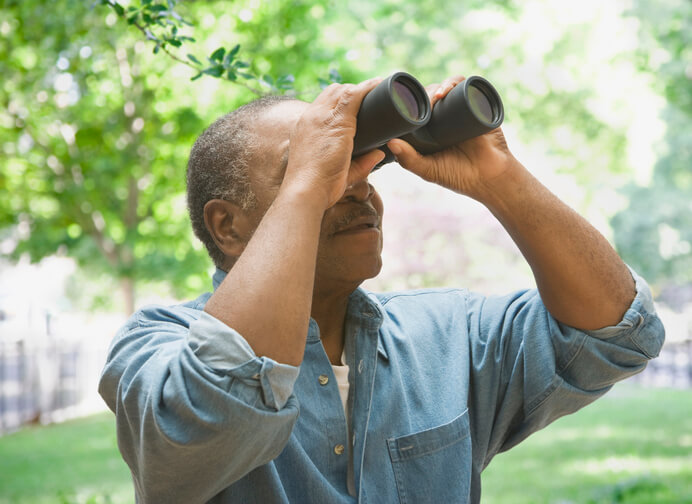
<point>633,446</point>
<point>74,462</point>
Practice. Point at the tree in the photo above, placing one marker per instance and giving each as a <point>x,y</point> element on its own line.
<point>100,109</point>
<point>654,233</point>
<point>101,129</point>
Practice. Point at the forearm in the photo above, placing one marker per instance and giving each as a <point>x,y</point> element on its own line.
<point>267,294</point>
<point>581,279</point>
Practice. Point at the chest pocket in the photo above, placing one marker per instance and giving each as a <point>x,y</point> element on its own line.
<point>433,465</point>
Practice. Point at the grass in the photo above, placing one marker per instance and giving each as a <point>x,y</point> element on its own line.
<point>634,446</point>
<point>72,463</point>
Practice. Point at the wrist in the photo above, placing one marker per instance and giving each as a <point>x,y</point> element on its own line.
<point>298,194</point>
<point>499,192</point>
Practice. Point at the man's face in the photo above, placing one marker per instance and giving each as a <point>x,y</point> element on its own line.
<point>350,244</point>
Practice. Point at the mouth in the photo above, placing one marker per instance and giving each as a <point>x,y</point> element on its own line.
<point>368,223</point>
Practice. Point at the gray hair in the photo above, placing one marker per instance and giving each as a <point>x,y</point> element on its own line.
<point>219,165</point>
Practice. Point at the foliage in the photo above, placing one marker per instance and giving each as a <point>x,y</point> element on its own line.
<point>655,232</point>
<point>161,24</point>
<point>100,131</point>
<point>100,111</point>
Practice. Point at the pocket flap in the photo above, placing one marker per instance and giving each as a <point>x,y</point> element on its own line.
<point>429,440</point>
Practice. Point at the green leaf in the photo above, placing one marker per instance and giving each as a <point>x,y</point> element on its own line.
<point>118,9</point>
<point>235,50</point>
<point>192,58</point>
<point>215,71</point>
<point>228,60</point>
<point>218,54</point>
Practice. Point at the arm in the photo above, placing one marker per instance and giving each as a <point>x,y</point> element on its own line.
<point>280,257</point>
<point>581,279</point>
<point>201,398</point>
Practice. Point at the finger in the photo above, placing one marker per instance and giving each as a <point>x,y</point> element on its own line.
<point>362,165</point>
<point>352,95</point>
<point>443,89</point>
<point>431,89</point>
<point>408,157</point>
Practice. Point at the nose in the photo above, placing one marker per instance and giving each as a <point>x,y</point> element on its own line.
<point>359,191</point>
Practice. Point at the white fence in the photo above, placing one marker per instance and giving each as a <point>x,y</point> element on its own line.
<point>50,372</point>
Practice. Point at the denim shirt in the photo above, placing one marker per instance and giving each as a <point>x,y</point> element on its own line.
<point>440,381</point>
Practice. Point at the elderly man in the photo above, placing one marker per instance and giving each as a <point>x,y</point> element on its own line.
<point>290,383</point>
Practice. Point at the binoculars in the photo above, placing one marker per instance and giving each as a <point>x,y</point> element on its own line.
<point>399,107</point>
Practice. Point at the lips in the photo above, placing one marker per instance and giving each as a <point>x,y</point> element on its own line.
<point>362,219</point>
<point>360,224</point>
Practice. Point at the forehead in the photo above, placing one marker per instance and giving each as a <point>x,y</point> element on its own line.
<point>273,130</point>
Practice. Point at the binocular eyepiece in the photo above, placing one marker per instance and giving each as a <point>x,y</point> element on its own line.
<point>399,107</point>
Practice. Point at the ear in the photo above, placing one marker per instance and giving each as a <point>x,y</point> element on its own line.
<point>229,226</point>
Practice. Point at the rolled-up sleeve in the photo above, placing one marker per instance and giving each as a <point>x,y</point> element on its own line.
<point>195,408</point>
<point>224,350</point>
<point>548,369</point>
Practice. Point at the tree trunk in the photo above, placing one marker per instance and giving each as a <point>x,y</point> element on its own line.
<point>127,286</point>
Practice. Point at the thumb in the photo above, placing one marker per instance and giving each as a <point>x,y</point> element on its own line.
<point>362,165</point>
<point>408,157</point>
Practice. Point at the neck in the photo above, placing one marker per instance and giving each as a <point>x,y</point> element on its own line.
<point>329,311</point>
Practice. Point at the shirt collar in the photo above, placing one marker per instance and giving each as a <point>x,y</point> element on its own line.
<point>361,305</point>
<point>218,277</point>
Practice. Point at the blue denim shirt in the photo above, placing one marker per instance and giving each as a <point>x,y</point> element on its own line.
<point>440,381</point>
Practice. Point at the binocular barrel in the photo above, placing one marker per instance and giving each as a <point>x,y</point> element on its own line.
<point>399,107</point>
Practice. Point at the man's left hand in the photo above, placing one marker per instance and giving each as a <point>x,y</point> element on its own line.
<point>471,167</point>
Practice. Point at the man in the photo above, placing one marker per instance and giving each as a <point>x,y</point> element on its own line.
<point>291,384</point>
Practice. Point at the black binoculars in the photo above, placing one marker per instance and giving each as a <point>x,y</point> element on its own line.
<point>399,107</point>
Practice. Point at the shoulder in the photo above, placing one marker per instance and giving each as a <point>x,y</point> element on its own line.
<point>180,314</point>
<point>422,309</point>
<point>419,296</point>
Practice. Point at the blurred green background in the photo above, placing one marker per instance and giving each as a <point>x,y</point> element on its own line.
<point>101,103</point>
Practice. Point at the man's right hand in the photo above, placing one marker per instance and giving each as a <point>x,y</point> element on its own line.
<point>321,145</point>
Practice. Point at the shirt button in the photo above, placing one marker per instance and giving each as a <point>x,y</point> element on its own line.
<point>339,449</point>
<point>323,379</point>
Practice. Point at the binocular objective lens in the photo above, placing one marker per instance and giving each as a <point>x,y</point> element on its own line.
<point>405,101</point>
<point>480,104</point>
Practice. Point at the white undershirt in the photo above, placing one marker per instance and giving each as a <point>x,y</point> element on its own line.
<point>341,375</point>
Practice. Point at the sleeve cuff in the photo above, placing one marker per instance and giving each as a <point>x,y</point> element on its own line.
<point>640,321</point>
<point>226,351</point>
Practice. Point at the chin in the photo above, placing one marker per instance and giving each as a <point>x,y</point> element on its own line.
<point>368,271</point>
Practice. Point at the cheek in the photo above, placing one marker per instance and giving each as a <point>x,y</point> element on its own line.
<point>377,203</point>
